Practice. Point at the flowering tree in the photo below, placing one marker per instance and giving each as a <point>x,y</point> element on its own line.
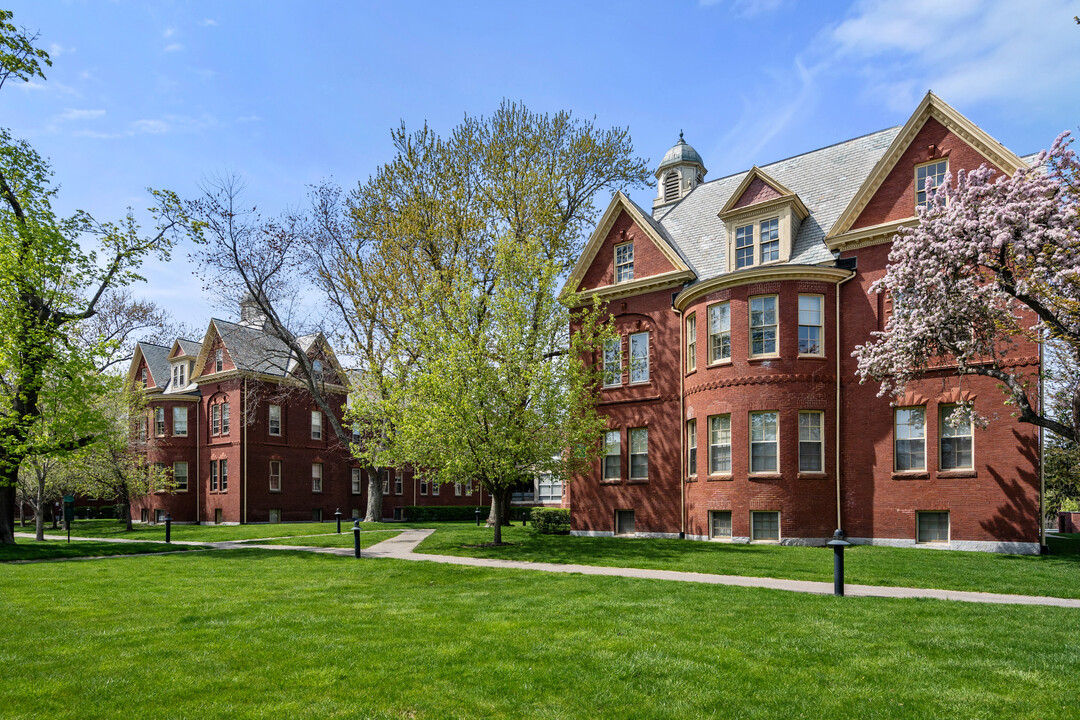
<point>992,260</point>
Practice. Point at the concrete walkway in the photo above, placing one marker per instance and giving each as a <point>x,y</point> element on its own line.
<point>403,547</point>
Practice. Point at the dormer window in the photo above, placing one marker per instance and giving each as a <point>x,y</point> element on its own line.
<point>624,262</point>
<point>316,365</point>
<point>769,240</point>
<point>744,246</point>
<point>762,219</point>
<point>179,375</point>
<point>935,173</point>
<point>671,186</point>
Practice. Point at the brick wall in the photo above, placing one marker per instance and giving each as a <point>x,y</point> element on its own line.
<point>648,260</point>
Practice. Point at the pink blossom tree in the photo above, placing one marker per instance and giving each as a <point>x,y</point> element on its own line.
<point>992,260</point>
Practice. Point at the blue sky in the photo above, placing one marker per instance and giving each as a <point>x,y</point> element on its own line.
<point>163,94</point>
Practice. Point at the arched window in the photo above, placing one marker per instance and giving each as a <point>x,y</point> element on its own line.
<point>671,185</point>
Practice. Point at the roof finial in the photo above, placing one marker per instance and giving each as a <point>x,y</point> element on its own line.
<point>681,141</point>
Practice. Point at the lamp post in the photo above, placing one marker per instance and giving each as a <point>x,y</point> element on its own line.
<point>337,514</point>
<point>356,537</point>
<point>168,527</point>
<point>838,544</point>
<point>477,517</point>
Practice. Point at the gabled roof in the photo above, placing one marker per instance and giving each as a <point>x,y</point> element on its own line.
<point>825,180</point>
<point>157,362</point>
<point>756,173</point>
<point>653,230</point>
<point>187,348</point>
<point>931,107</point>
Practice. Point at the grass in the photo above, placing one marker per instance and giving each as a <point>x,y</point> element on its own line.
<point>205,533</point>
<point>250,633</point>
<point>53,549</point>
<point>345,540</point>
<point>1053,575</point>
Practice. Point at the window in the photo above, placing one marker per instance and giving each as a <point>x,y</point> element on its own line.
<point>180,476</point>
<point>769,240</point>
<point>639,453</point>
<point>744,246</point>
<point>763,442</point>
<point>178,373</point>
<point>457,489</point>
<point>385,482</point>
<point>316,366</point>
<point>316,425</point>
<point>179,421</point>
<point>399,483</point>
<point>612,455</point>
<point>357,482</point>
<point>719,444</point>
<point>624,522</point>
<point>763,325</point>
<point>811,441</point>
<point>316,477</point>
<point>720,523</point>
<point>811,327</point>
<point>434,488</point>
<point>275,420</point>
<point>548,488</point>
<point>219,360</point>
<point>910,438</point>
<point>159,516</point>
<point>671,186</point>
<point>275,515</point>
<point>423,486</point>
<point>275,476</point>
<point>765,526</point>
<point>935,173</point>
<point>613,362</point>
<point>933,527</point>
<point>316,515</point>
<point>145,376</point>
<point>159,421</point>
<point>691,447</point>
<point>719,332</point>
<point>215,420</point>
<point>624,262</point>
<point>955,442</point>
<point>639,357</point>
<point>691,343</point>
<point>224,472</point>
<point>225,418</point>
<point>469,488</point>
<point>213,475</point>
<point>143,421</point>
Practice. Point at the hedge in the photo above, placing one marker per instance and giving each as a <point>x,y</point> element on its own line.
<point>449,513</point>
<point>551,521</point>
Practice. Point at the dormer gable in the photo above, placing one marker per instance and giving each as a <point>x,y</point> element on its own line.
<point>147,360</point>
<point>627,254</point>
<point>761,218</point>
<point>936,139</point>
<point>214,356</point>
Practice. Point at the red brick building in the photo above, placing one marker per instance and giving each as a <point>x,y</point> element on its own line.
<point>246,443</point>
<point>734,409</point>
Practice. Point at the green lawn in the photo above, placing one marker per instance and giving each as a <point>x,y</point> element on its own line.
<point>250,633</point>
<point>205,533</point>
<point>55,548</point>
<point>1054,575</point>
<point>345,540</point>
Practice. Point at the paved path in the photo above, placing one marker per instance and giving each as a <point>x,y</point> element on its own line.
<point>403,546</point>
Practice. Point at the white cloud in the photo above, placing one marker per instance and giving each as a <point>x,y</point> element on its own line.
<point>55,50</point>
<point>208,22</point>
<point>174,47</point>
<point>152,127</point>
<point>169,32</point>
<point>746,8</point>
<point>966,51</point>
<point>73,114</point>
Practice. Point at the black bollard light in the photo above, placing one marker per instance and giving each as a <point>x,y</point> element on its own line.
<point>168,528</point>
<point>356,537</point>
<point>337,514</point>
<point>477,517</point>
<point>838,544</point>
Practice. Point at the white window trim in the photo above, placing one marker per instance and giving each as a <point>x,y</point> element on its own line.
<point>316,474</point>
<point>356,481</point>
<point>944,410</point>
<point>782,209</point>
<point>821,327</point>
<point>187,476</point>
<point>821,443</point>
<point>731,518</point>
<point>270,421</point>
<point>648,368</point>
<point>720,473</point>
<point>710,333</point>
<point>399,483</point>
<point>691,447</point>
<point>896,439</point>
<point>274,463</point>
<point>750,327</point>
<point>617,446</point>
<point>630,454</point>
<point>615,378</point>
<point>915,177</point>
<point>948,535</point>
<point>175,432</point>
<point>691,342</point>
<point>779,526</point>
<point>316,430</point>
<point>776,443</point>
<point>630,264</point>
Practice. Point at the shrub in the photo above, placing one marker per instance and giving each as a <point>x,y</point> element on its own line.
<point>450,513</point>
<point>550,521</point>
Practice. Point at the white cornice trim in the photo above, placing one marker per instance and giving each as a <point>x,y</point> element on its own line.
<point>819,273</point>
<point>607,293</point>
<point>931,107</point>
<point>592,247</point>
<point>786,196</point>
<point>873,235</point>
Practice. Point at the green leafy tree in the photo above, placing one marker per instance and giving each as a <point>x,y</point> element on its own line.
<point>18,56</point>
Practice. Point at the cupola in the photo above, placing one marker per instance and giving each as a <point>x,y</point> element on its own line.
<point>679,172</point>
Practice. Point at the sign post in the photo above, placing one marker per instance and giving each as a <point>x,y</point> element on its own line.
<point>69,513</point>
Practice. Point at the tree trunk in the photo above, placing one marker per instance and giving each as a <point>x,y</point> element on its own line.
<point>499,506</point>
<point>505,508</point>
<point>7,509</point>
<point>39,516</point>
<point>22,513</point>
<point>374,496</point>
<point>127,516</point>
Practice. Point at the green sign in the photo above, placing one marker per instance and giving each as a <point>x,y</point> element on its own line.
<point>69,508</point>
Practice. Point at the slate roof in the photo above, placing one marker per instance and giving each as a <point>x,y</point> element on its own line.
<point>252,349</point>
<point>825,180</point>
<point>189,347</point>
<point>157,360</point>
